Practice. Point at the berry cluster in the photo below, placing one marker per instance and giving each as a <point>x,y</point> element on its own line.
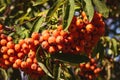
<point>82,36</point>
<point>26,55</point>
<point>89,71</point>
<point>21,55</point>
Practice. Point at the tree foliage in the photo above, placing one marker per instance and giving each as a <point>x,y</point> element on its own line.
<point>66,39</point>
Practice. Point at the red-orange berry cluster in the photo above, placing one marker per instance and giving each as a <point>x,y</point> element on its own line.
<point>26,55</point>
<point>89,70</point>
<point>7,52</point>
<point>82,36</point>
<point>86,34</point>
<point>20,56</point>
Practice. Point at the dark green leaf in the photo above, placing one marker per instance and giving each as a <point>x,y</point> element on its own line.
<point>41,64</point>
<point>38,2</point>
<point>37,25</point>
<point>69,13</point>
<point>3,74</point>
<point>114,46</point>
<point>45,69</point>
<point>89,9</point>
<point>56,71</point>
<point>99,48</point>
<point>53,9</point>
<point>71,58</point>
<point>101,7</point>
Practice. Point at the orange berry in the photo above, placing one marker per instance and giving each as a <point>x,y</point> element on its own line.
<point>3,36</point>
<point>20,55</point>
<point>7,62</point>
<point>4,49</point>
<point>10,52</point>
<point>90,77</point>
<point>92,67</point>
<point>5,56</point>
<point>51,40</point>
<point>83,14</point>
<point>17,47</point>
<point>60,46</point>
<point>97,70</point>
<point>31,54</point>
<point>34,60</point>
<point>25,46</point>
<point>56,33</point>
<point>23,64</point>
<point>85,20</point>
<point>90,28</point>
<point>35,35</point>
<point>78,48</point>
<point>10,44</point>
<point>82,65</point>
<point>51,49</point>
<point>46,36</point>
<point>92,60</point>
<point>59,27</point>
<point>29,41</point>
<point>29,61</point>
<point>12,59</point>
<point>36,42</point>
<point>21,41</point>
<point>87,65</point>
<point>15,66</point>
<point>59,39</point>
<point>18,62</point>
<point>9,38</point>
<point>45,31</point>
<point>41,39</point>
<point>34,66</point>
<point>79,23</point>
<point>25,51</point>
<point>63,33</point>
<point>40,71</point>
<point>45,44</point>
<point>3,42</point>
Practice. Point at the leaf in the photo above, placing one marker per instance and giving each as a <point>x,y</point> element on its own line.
<point>89,9</point>
<point>38,2</point>
<point>3,74</point>
<point>101,7</point>
<point>38,24</point>
<point>114,46</point>
<point>53,9</point>
<point>99,48</point>
<point>41,64</point>
<point>68,13</point>
<point>56,71</point>
<point>71,58</point>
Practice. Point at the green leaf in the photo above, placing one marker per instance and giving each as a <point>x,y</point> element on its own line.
<point>101,7</point>
<point>3,74</point>
<point>38,24</point>
<point>89,9</point>
<point>41,64</point>
<point>56,71</point>
<point>53,9</point>
<point>68,13</point>
<point>71,58</point>
<point>38,2</point>
<point>114,46</point>
<point>99,48</point>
